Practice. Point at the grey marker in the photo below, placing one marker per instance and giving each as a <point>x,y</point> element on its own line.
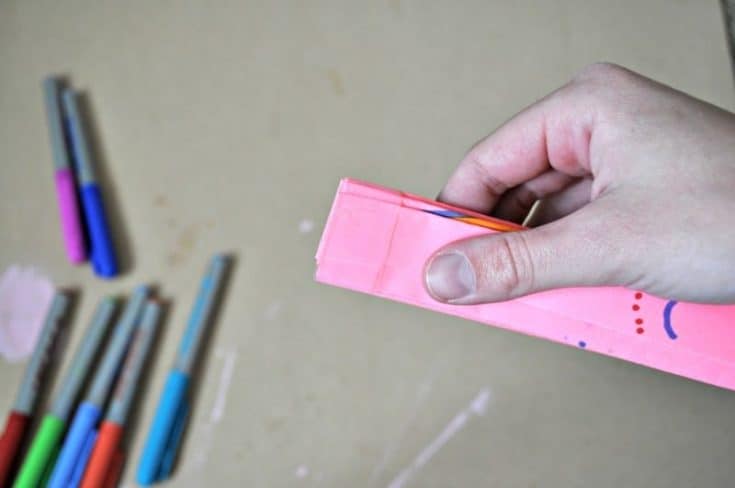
<point>116,348</point>
<point>28,393</point>
<point>55,119</point>
<point>82,148</point>
<point>93,337</point>
<point>127,383</point>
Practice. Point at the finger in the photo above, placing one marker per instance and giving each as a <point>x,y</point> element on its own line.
<point>561,204</point>
<point>554,133</point>
<point>574,251</point>
<point>517,202</point>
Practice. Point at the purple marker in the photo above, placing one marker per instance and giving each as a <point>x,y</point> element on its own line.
<point>71,225</point>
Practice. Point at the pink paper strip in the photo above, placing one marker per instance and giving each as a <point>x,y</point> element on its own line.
<point>378,240</point>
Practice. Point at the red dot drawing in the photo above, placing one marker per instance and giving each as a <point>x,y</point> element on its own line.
<point>636,308</point>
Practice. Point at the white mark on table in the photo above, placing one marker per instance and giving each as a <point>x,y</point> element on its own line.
<point>306,226</point>
<point>478,406</point>
<point>204,433</point>
<point>272,311</point>
<point>302,471</point>
<point>225,380</point>
<point>204,439</point>
<point>422,392</point>
<point>480,403</point>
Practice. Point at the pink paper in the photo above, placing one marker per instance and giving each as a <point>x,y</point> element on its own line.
<point>378,240</point>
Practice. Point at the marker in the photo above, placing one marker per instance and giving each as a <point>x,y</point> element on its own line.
<point>46,440</point>
<point>480,221</point>
<point>173,407</point>
<point>107,455</point>
<point>102,250</point>
<point>25,403</point>
<point>80,438</point>
<point>66,193</point>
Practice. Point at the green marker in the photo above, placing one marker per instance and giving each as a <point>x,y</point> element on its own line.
<point>46,442</point>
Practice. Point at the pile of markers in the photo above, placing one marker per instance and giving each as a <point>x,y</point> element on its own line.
<point>74,164</point>
<point>79,441</point>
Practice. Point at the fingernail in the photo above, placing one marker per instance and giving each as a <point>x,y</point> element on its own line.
<point>450,277</point>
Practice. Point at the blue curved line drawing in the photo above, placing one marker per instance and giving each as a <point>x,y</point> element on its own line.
<point>667,319</point>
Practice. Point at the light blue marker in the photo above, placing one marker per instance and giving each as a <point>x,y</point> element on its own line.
<point>168,424</point>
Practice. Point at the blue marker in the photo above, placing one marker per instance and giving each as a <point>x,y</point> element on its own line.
<point>102,253</point>
<point>170,418</point>
<point>80,439</point>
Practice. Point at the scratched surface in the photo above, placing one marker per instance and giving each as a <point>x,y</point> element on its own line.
<point>226,128</point>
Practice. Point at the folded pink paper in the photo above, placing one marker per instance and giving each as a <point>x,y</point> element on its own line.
<point>378,240</point>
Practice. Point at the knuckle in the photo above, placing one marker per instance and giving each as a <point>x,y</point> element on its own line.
<point>602,71</point>
<point>478,166</point>
<point>603,82</point>
<point>509,268</point>
<point>607,87</point>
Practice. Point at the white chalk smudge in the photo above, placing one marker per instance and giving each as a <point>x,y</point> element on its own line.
<point>25,297</point>
<point>480,403</point>
<point>272,311</point>
<point>306,226</point>
<point>225,380</point>
<point>302,471</point>
<point>422,392</point>
<point>478,406</point>
<point>204,433</point>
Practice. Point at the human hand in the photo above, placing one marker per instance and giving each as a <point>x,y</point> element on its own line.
<point>636,183</point>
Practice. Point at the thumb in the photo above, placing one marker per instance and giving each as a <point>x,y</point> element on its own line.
<point>573,251</point>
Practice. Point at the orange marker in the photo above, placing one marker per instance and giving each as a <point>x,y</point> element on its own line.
<point>106,461</point>
<point>107,458</point>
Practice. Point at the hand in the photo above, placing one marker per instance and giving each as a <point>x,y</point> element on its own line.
<point>636,187</point>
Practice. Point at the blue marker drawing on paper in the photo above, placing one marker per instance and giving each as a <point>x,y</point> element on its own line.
<point>667,319</point>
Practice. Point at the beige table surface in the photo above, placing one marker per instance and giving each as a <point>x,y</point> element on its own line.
<point>225,126</point>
